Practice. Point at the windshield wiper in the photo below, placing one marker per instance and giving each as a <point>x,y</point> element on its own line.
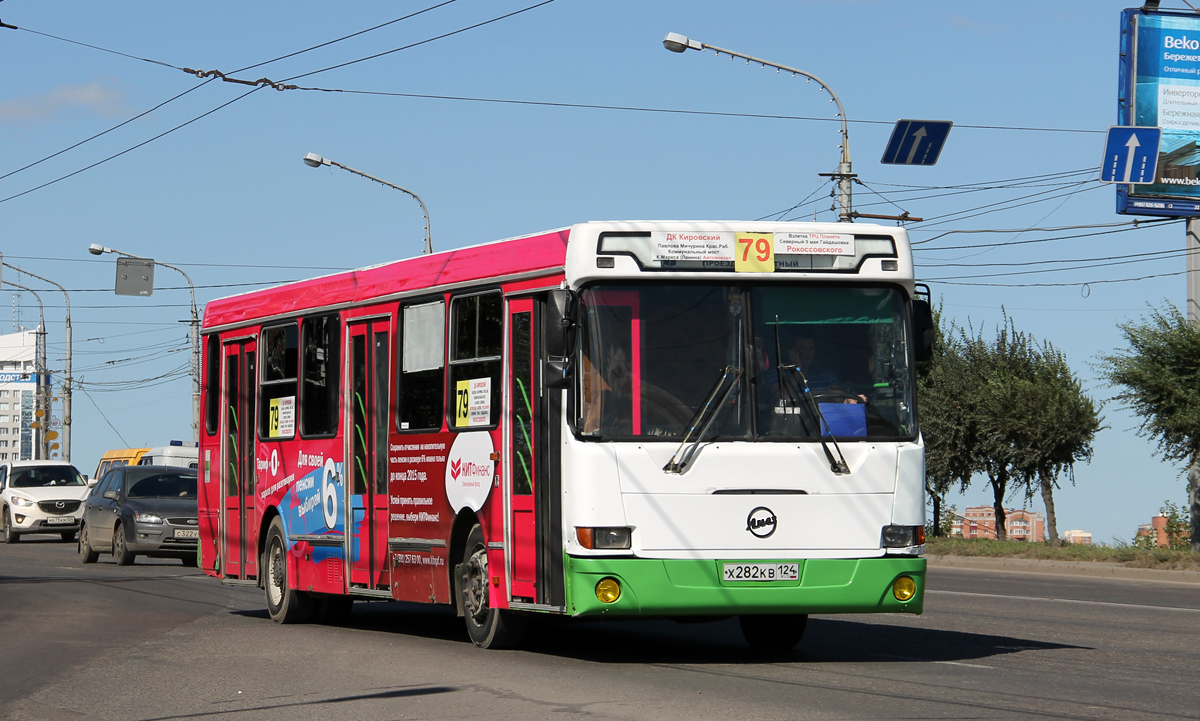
<point>704,419</point>
<point>838,465</point>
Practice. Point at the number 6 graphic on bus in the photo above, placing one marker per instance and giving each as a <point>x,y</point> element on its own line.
<point>329,494</point>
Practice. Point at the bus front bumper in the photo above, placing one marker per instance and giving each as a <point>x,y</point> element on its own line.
<point>686,587</point>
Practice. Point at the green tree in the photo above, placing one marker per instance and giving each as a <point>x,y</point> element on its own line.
<point>1160,374</point>
<point>948,410</point>
<point>1061,421</point>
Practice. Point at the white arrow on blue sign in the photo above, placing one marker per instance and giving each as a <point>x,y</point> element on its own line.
<point>1130,155</point>
<point>916,142</point>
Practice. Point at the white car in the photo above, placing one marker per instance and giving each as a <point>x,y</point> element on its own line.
<point>41,497</point>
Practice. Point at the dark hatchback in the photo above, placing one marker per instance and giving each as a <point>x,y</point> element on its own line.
<point>142,511</point>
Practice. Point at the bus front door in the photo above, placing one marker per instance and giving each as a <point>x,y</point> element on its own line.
<point>238,527</point>
<point>366,454</point>
<point>522,465</point>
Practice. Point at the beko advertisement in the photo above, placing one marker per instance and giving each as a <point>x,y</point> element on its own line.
<point>1160,86</point>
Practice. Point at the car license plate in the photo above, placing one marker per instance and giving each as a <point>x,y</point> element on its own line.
<point>787,571</point>
<point>60,520</point>
<point>187,533</point>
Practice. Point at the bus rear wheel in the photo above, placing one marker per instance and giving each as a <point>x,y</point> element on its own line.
<point>286,605</point>
<point>771,633</point>
<point>488,627</point>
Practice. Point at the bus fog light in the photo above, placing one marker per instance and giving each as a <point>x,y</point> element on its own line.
<point>904,588</point>
<point>608,590</point>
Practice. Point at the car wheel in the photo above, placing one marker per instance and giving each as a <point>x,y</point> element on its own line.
<point>67,536</point>
<point>772,633</point>
<point>286,605</point>
<point>86,554</point>
<point>121,552</point>
<point>10,533</point>
<point>487,627</point>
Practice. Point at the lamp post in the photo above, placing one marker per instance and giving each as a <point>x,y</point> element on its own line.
<point>313,160</point>
<point>97,249</point>
<point>677,43</point>
<point>66,395</point>
<point>40,451</point>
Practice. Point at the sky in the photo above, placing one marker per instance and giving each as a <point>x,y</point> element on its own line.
<point>117,144</point>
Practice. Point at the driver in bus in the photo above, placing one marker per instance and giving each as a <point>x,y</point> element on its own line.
<point>812,357</point>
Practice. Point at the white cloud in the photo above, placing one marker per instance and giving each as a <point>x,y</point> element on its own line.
<point>92,97</point>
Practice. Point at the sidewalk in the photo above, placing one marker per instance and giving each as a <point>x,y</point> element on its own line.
<point>1063,568</point>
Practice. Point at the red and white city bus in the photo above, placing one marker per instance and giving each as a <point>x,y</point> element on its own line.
<point>654,419</point>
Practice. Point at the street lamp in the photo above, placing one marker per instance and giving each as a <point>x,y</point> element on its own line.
<point>66,434</point>
<point>97,249</point>
<point>313,160</point>
<point>677,43</point>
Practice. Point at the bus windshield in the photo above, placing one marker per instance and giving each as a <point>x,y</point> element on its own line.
<point>815,360</point>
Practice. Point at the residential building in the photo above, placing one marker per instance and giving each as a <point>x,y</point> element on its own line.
<point>18,395</point>
<point>1157,527</point>
<point>1019,524</point>
<point>1083,538</point>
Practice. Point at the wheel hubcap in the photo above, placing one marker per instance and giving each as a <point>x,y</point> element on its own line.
<point>475,593</point>
<point>275,573</point>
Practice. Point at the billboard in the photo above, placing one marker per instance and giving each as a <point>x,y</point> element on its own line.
<point>1160,86</point>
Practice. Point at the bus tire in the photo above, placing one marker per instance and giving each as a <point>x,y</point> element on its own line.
<point>771,633</point>
<point>286,605</point>
<point>488,627</point>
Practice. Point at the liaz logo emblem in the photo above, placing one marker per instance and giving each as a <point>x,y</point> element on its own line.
<point>761,522</point>
<point>455,469</point>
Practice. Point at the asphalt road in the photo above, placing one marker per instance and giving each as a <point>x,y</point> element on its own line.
<point>159,641</point>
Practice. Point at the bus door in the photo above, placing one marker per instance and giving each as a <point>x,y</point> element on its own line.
<point>521,437</point>
<point>238,528</point>
<point>366,454</point>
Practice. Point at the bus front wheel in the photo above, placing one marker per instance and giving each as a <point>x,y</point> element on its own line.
<point>772,633</point>
<point>286,605</point>
<point>488,627</point>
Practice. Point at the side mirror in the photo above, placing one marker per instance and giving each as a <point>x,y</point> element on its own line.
<point>110,495</point>
<point>560,337</point>
<point>91,482</point>
<point>923,329</point>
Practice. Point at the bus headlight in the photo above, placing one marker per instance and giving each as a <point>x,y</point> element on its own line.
<point>611,538</point>
<point>904,588</point>
<point>608,590</point>
<point>902,536</point>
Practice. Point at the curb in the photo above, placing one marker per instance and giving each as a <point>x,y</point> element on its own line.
<point>1063,568</point>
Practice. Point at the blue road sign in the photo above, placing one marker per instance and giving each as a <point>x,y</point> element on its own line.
<point>1130,154</point>
<point>916,142</point>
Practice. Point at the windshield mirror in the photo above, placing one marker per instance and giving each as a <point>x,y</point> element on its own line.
<point>650,355</point>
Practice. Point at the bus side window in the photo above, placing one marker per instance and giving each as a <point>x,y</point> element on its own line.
<point>212,384</point>
<point>422,365</point>
<point>476,333</point>
<point>278,386</point>
<point>320,369</point>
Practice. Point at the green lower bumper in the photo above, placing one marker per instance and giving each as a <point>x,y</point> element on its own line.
<point>651,587</point>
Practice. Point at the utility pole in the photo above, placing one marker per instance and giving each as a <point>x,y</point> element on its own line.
<point>66,393</point>
<point>1192,251</point>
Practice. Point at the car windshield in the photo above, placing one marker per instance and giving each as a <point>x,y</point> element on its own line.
<point>159,484</point>
<point>43,476</point>
<point>809,360</point>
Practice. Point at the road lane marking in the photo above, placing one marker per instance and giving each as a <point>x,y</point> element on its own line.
<point>1066,600</point>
